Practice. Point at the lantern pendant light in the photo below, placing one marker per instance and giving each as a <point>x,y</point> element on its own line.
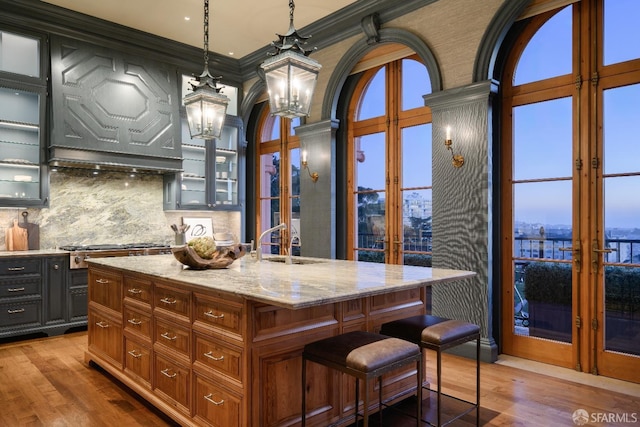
<point>290,75</point>
<point>206,106</point>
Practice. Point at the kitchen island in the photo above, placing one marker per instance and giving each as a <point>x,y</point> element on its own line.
<point>223,347</point>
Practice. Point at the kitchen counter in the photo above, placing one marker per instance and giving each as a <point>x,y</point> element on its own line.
<point>36,252</point>
<point>315,282</point>
<point>224,347</point>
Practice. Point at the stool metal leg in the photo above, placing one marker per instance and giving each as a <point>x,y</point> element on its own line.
<point>357,399</point>
<point>439,378</point>
<point>366,403</point>
<point>304,392</point>
<point>420,368</point>
<point>380,399</point>
<point>478,382</point>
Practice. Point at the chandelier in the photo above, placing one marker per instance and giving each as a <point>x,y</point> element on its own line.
<point>206,106</point>
<point>290,74</point>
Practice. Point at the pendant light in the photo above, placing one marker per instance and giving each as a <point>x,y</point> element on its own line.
<point>290,75</point>
<point>206,106</point>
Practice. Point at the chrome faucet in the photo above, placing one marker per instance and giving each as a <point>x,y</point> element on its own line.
<point>264,233</point>
<point>289,251</point>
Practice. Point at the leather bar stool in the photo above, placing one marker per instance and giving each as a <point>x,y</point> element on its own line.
<point>365,356</point>
<point>439,334</point>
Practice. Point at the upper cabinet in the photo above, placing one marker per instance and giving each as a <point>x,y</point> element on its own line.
<point>113,108</point>
<point>211,171</point>
<point>23,176</point>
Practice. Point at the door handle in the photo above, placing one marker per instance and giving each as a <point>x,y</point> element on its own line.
<point>577,257</point>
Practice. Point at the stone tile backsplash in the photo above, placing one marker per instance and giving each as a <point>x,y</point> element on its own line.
<point>109,207</point>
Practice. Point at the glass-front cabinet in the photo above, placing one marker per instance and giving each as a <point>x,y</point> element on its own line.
<point>210,176</point>
<point>22,111</point>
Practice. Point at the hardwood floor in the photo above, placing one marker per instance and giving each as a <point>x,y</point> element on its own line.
<point>45,382</point>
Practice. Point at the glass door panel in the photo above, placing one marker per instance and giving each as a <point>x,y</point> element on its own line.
<point>370,198</point>
<point>620,259</point>
<point>416,196</point>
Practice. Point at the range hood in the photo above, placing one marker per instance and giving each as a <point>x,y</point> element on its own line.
<point>112,109</point>
<point>63,157</point>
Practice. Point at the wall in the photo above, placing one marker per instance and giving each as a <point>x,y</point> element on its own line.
<point>108,208</point>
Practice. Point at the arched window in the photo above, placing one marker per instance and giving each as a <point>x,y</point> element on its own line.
<point>389,165</point>
<point>278,183</point>
<point>569,167</point>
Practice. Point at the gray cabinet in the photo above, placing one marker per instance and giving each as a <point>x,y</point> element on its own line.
<point>20,295</point>
<point>23,99</point>
<point>38,295</point>
<point>212,171</point>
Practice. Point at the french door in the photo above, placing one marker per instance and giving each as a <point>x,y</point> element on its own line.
<point>571,168</point>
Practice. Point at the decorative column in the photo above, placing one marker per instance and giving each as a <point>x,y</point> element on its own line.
<point>318,199</point>
<point>463,209</point>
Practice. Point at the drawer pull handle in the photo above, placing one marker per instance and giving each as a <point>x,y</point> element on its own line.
<point>214,316</point>
<point>169,300</point>
<point>134,291</point>
<point>135,322</point>
<point>168,337</point>
<point>166,373</point>
<point>20,310</point>
<point>134,354</point>
<point>212,357</point>
<point>15,268</point>
<point>102,324</point>
<point>218,403</point>
<point>102,281</point>
<point>15,289</point>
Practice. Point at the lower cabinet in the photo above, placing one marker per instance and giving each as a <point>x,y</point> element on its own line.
<point>38,295</point>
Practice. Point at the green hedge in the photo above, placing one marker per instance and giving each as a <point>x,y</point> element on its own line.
<point>551,283</point>
<point>547,282</point>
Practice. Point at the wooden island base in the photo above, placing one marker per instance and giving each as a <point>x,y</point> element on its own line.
<point>224,347</point>
<point>206,357</point>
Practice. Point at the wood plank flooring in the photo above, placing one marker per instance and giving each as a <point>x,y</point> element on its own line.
<point>45,382</point>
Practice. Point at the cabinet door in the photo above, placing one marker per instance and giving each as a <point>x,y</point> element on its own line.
<point>54,285</point>
<point>227,165</point>
<point>211,171</point>
<point>22,112</point>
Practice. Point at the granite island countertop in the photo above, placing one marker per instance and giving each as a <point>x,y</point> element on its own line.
<point>318,281</point>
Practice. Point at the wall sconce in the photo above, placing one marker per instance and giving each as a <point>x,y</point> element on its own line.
<point>456,159</point>
<point>305,164</point>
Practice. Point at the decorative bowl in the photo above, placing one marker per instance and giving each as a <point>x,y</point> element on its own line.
<point>222,257</point>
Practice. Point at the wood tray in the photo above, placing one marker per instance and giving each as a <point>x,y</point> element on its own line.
<point>222,257</point>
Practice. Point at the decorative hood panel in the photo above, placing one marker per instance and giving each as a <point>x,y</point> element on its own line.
<point>112,109</point>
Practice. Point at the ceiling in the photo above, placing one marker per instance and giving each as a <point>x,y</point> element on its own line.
<point>236,28</point>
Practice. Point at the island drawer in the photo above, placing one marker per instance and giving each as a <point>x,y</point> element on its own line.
<point>172,382</point>
<point>222,315</point>
<point>105,336</point>
<point>137,289</point>
<point>219,356</point>
<point>17,266</point>
<point>137,321</point>
<point>173,300</point>
<point>215,405</point>
<point>137,361</point>
<point>105,288</point>
<point>173,336</point>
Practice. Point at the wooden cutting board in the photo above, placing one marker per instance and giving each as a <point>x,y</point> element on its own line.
<point>33,232</point>
<point>16,238</point>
